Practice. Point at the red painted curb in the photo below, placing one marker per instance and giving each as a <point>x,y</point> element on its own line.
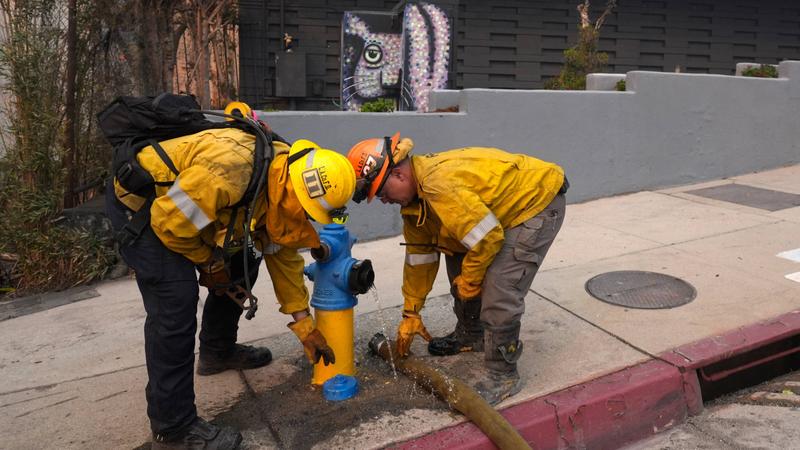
<point>607,412</point>
<point>742,340</point>
<point>622,407</point>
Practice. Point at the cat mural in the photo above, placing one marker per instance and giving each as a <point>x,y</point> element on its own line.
<point>371,58</point>
<point>373,54</point>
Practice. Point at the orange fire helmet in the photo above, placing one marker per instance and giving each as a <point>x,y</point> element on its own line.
<point>372,159</point>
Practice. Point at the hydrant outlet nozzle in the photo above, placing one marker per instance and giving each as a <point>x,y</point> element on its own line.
<point>321,253</point>
<point>362,277</point>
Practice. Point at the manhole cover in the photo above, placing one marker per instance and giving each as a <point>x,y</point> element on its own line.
<point>750,196</point>
<point>637,289</point>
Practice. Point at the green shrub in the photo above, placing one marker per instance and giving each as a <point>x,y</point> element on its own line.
<point>620,86</point>
<point>378,105</point>
<point>47,256</point>
<point>583,58</point>
<point>762,71</point>
<point>579,61</point>
<point>35,253</point>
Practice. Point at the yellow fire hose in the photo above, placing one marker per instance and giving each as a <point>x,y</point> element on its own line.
<point>456,393</point>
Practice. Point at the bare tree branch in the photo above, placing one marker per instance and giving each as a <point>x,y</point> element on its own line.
<point>610,5</point>
<point>583,12</point>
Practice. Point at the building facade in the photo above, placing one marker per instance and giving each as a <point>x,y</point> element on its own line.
<point>512,44</point>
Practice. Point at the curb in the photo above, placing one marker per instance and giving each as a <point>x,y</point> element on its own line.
<point>628,405</point>
<point>716,349</point>
<point>22,306</point>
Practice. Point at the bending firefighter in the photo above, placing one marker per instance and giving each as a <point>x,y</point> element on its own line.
<point>493,215</point>
<point>194,203</point>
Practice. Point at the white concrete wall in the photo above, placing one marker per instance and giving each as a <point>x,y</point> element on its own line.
<point>603,81</point>
<point>666,129</point>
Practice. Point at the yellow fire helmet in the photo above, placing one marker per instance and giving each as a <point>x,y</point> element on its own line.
<point>323,180</point>
<point>240,109</point>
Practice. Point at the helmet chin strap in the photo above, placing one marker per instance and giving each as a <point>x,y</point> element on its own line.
<point>298,155</point>
<point>391,164</point>
<point>339,215</point>
<point>362,187</point>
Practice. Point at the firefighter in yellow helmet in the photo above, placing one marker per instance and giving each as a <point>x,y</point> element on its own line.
<point>194,212</point>
<point>493,215</point>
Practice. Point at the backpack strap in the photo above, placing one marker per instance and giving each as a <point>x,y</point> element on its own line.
<point>136,225</point>
<point>141,218</point>
<point>163,155</point>
<point>259,170</point>
<point>226,243</point>
<point>298,155</point>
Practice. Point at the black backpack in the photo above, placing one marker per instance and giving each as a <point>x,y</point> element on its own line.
<point>133,123</point>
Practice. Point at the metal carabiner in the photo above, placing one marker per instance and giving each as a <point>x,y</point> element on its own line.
<point>240,295</point>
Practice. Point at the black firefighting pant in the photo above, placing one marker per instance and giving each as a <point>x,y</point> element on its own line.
<point>168,284</point>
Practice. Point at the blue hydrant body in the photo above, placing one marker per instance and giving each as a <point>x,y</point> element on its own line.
<point>331,273</point>
<point>337,278</point>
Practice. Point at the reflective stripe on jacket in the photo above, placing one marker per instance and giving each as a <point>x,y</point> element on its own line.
<point>191,217</point>
<point>467,197</point>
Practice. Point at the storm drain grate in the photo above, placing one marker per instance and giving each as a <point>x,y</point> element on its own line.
<point>638,289</point>
<point>750,196</point>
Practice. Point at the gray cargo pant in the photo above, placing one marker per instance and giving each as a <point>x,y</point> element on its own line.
<point>511,273</point>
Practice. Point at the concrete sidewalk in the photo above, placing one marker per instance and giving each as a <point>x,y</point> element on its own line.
<point>74,376</point>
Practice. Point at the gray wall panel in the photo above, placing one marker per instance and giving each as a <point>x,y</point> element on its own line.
<point>668,129</point>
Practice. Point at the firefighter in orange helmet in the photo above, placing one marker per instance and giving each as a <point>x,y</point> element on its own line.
<point>493,215</point>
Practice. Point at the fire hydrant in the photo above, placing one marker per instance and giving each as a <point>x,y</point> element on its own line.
<point>338,278</point>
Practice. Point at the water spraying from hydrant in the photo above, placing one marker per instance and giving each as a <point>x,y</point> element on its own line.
<point>376,297</point>
<point>338,278</point>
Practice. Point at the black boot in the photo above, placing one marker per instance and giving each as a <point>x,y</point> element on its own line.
<point>242,357</point>
<point>468,335</point>
<point>200,435</point>
<point>500,379</point>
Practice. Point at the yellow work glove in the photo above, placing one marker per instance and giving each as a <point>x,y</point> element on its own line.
<point>466,291</point>
<point>314,343</point>
<point>410,326</point>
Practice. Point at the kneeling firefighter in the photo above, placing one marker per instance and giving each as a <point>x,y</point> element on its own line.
<point>197,220</point>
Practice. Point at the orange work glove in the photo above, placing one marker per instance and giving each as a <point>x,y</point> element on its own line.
<point>466,291</point>
<point>314,343</point>
<point>410,326</point>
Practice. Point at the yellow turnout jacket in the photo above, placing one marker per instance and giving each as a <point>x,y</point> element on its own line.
<point>467,198</point>
<point>191,216</point>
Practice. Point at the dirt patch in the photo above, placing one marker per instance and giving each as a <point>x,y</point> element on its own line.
<point>298,416</point>
<point>294,414</point>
